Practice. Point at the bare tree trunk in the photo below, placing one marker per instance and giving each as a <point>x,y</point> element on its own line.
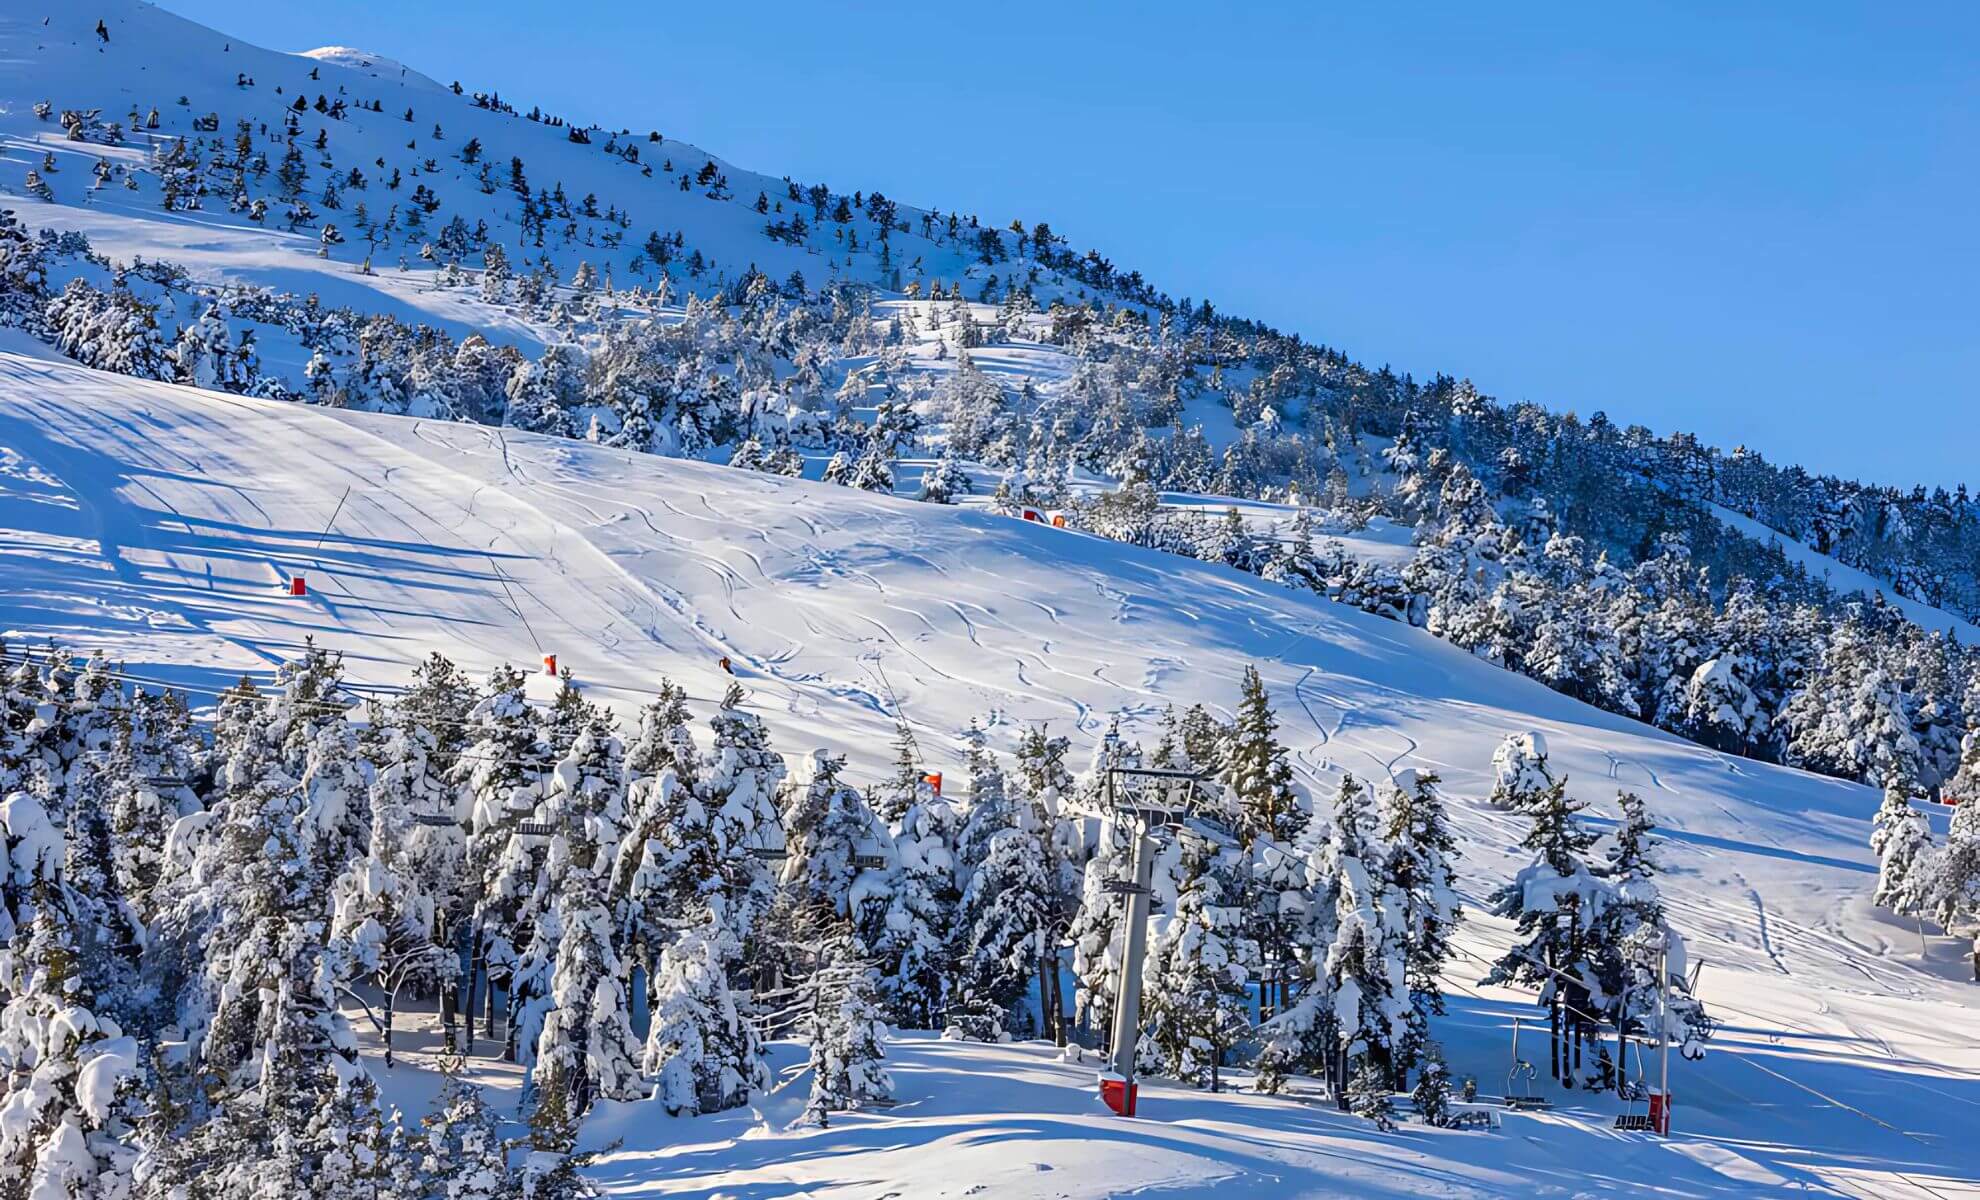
<point>1554,1038</point>
<point>391,1001</point>
<point>1046,1014</point>
<point>1058,1006</point>
<point>1622,1054</point>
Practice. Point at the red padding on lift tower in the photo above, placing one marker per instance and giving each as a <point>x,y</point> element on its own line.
<point>1118,1093</point>
<point>298,586</point>
<point>549,664</point>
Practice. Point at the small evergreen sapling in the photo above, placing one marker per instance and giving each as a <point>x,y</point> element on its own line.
<point>1369,1096</point>
<point>1432,1096</point>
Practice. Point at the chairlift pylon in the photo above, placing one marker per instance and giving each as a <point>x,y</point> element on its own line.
<point>1138,815</point>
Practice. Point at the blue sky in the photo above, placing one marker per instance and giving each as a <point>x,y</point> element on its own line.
<point>1756,222</point>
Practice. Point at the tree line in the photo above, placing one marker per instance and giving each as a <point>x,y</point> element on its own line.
<point>198,907</point>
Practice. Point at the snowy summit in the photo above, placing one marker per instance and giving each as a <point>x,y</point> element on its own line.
<point>377,66</point>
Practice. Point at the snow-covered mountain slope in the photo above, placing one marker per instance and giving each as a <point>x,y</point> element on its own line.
<point>157,521</point>
<point>200,83</point>
<point>156,60</point>
<point>1850,581</point>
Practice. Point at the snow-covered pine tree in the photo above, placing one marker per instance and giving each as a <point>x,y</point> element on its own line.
<point>668,866</point>
<point>308,698</point>
<point>112,331</point>
<point>336,818</point>
<point>1572,648</point>
<point>1901,840</point>
<point>1260,801</point>
<point>1946,884</point>
<point>362,1150</point>
<point>1200,965</point>
<point>568,715</point>
<point>465,1156</point>
<point>1964,786</point>
<point>585,797</point>
<point>907,786</point>
<point>440,700</point>
<point>384,922</point>
<point>873,472</point>
<point>503,769</point>
<point>1291,560</point>
<point>668,859</point>
<point>1302,1037</point>
<point>250,917</point>
<point>426,811</point>
<point>827,831</point>
<point>1848,718</point>
<point>1045,787</point>
<point>79,718</point>
<point>1432,1096</point>
<point>586,1050</point>
<point>701,1052</point>
<point>1367,964</point>
<point>1005,910</point>
<point>69,1074</point>
<point>202,354</point>
<point>146,792</point>
<point>1256,774</point>
<point>1421,849</point>
<point>271,1048</point>
<point>23,276</point>
<point>88,765</point>
<point>1559,907</point>
<point>1720,710</point>
<point>945,481</point>
<point>1370,1095</point>
<point>736,786</point>
<point>847,1034</point>
<point>913,944</point>
<point>662,740</point>
<point>1520,771</point>
<point>583,812</point>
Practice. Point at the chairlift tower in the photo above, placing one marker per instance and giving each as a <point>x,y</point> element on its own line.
<point>1142,800</point>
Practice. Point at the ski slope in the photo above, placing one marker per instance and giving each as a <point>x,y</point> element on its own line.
<point>157,522</point>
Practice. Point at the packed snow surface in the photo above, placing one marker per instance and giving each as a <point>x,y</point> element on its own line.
<point>160,522</point>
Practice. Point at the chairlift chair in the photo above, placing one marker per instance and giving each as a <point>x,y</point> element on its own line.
<point>1522,1074</point>
<point>1635,1092</point>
